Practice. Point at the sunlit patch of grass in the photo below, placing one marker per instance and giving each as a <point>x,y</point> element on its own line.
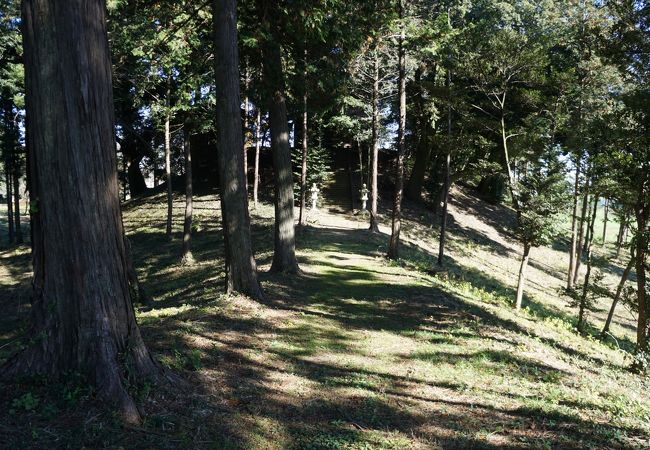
<point>357,352</point>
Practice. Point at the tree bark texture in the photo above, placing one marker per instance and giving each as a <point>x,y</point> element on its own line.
<point>302,219</point>
<point>18,229</point>
<point>186,254</point>
<point>393,246</point>
<point>82,314</point>
<point>605,221</point>
<point>619,237</point>
<point>168,160</point>
<point>258,145</point>
<point>447,183</point>
<point>284,250</point>
<point>11,238</point>
<point>374,188</point>
<point>241,268</point>
<point>522,277</point>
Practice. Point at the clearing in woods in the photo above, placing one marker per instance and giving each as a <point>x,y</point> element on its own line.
<point>356,352</point>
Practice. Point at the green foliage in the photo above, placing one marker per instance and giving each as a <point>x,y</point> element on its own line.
<point>588,298</point>
<point>184,360</point>
<point>27,402</point>
<point>542,193</point>
<point>319,167</point>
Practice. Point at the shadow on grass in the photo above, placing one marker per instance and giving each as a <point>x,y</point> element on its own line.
<point>286,374</point>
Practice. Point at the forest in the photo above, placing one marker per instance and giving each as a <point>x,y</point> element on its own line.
<point>325,224</point>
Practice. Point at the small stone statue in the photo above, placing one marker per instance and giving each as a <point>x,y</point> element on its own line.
<point>314,198</point>
<point>364,197</point>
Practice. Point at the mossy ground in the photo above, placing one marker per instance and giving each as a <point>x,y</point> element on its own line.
<point>355,353</point>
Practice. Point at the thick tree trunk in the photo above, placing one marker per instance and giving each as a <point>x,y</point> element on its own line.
<point>258,145</point>
<point>241,269</point>
<point>393,245</point>
<point>617,297</point>
<point>574,227</point>
<point>302,219</point>
<point>168,160</point>
<point>522,277</point>
<point>374,189</point>
<point>284,251</point>
<point>186,255</point>
<point>81,305</point>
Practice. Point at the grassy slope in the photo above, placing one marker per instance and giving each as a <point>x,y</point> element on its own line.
<point>357,352</point>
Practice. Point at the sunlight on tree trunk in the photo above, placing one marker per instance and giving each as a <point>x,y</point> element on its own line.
<point>241,268</point>
<point>186,255</point>
<point>522,277</point>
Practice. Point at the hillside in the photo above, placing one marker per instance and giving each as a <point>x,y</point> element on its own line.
<point>356,352</point>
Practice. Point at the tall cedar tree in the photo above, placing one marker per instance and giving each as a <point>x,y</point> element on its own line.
<point>81,305</point>
<point>284,251</point>
<point>241,268</point>
<point>393,245</point>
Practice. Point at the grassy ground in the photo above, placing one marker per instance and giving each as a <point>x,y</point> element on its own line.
<point>355,353</point>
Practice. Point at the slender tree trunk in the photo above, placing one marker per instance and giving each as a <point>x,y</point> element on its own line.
<point>591,215</point>
<point>246,130</point>
<point>506,155</point>
<point>642,213</point>
<point>258,144</point>
<point>619,237</point>
<point>241,269</point>
<point>10,202</point>
<point>302,220</point>
<point>522,276</point>
<point>617,297</point>
<point>81,304</point>
<point>589,238</point>
<point>284,252</point>
<point>168,160</point>
<point>374,188</point>
<point>574,226</point>
<point>186,255</point>
<point>16,191</point>
<point>9,150</point>
<point>154,162</point>
<point>581,231</point>
<point>393,246</point>
<point>447,182</point>
<point>605,221</point>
